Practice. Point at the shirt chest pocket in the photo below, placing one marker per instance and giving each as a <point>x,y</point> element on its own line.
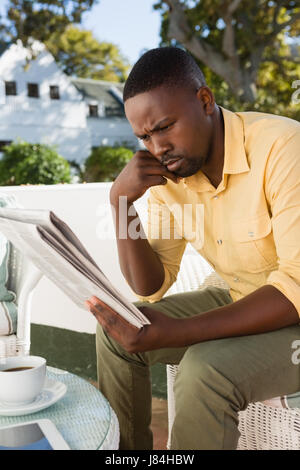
<point>253,244</point>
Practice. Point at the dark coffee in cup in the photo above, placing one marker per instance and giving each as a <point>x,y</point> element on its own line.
<point>26,381</point>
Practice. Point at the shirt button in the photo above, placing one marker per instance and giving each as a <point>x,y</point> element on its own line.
<point>236,279</point>
<point>251,234</point>
<point>219,242</point>
<point>216,197</point>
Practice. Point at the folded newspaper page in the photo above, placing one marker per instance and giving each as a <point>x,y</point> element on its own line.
<point>54,248</point>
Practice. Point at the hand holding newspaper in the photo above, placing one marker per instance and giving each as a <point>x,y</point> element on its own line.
<point>52,246</point>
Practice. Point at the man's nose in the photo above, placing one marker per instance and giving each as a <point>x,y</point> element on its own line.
<point>160,147</point>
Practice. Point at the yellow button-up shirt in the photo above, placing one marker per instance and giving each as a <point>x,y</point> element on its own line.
<point>250,229</point>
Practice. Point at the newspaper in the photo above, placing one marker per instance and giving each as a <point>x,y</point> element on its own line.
<point>54,248</point>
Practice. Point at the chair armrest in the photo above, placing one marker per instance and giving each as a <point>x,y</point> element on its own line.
<point>33,276</point>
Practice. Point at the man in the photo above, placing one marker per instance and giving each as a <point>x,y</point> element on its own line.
<point>233,346</point>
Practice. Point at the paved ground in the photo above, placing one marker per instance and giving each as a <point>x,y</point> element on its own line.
<point>159,423</point>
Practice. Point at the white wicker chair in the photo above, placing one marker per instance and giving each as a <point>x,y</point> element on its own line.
<point>23,277</point>
<point>263,425</point>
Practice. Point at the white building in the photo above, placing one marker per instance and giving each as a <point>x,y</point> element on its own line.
<point>106,119</point>
<point>40,104</point>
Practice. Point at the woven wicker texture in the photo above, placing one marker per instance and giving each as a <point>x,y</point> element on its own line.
<point>83,416</point>
<point>262,427</point>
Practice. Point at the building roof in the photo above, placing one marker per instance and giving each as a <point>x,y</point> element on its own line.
<point>107,93</point>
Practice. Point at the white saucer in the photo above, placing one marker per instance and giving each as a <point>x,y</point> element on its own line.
<point>52,392</point>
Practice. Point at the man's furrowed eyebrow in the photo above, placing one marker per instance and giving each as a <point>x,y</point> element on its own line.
<point>140,136</point>
<point>159,124</point>
<point>155,128</point>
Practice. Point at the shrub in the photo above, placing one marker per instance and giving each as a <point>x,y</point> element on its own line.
<point>25,163</point>
<point>105,163</point>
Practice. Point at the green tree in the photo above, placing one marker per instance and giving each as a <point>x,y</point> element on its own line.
<point>80,54</point>
<point>26,163</point>
<point>27,19</point>
<point>240,45</point>
<point>105,163</point>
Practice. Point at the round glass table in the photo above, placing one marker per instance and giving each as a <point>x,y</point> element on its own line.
<point>83,415</point>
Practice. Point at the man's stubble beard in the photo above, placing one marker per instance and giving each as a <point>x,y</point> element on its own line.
<point>193,166</point>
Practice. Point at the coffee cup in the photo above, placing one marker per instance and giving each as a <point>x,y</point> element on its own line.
<point>22,378</point>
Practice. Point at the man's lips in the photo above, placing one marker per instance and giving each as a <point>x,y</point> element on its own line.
<point>173,164</point>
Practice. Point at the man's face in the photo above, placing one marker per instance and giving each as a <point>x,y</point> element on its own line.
<point>175,125</point>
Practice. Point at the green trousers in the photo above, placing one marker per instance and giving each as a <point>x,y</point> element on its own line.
<point>216,378</point>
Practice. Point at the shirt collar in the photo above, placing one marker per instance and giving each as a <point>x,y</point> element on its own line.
<point>235,158</point>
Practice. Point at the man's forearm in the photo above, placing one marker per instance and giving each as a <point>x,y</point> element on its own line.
<point>265,309</point>
<point>139,264</point>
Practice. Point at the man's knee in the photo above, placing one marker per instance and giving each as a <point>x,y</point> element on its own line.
<point>206,377</point>
<point>107,347</point>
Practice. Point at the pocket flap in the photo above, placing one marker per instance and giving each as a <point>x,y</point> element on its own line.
<point>252,229</point>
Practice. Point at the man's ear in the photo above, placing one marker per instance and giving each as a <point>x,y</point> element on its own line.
<point>205,95</point>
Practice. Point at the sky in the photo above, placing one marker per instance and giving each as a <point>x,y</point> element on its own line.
<point>133,25</point>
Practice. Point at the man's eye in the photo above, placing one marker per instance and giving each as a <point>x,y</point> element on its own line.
<point>166,127</point>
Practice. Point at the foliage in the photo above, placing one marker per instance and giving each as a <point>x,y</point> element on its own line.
<point>55,23</point>
<point>105,163</point>
<point>39,20</point>
<point>26,163</point>
<point>80,54</point>
<point>274,85</point>
<point>242,47</point>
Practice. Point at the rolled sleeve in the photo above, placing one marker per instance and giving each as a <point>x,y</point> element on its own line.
<point>283,192</point>
<point>165,240</point>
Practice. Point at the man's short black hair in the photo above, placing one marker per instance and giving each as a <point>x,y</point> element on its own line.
<point>169,66</point>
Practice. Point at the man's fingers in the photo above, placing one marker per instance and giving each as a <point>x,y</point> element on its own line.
<point>161,170</point>
<point>153,167</point>
<point>97,302</point>
<point>88,304</point>
<point>93,309</point>
<point>101,308</point>
<point>165,172</point>
<point>97,311</point>
<point>103,312</point>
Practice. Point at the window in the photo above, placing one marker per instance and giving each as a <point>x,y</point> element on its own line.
<point>114,111</point>
<point>54,92</point>
<point>10,88</point>
<point>93,108</point>
<point>33,90</point>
